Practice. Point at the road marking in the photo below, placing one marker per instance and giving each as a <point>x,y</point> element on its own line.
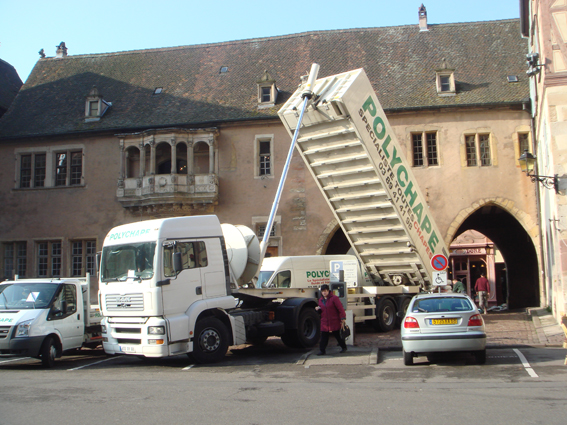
<point>92,364</point>
<point>188,367</point>
<point>15,360</point>
<point>525,363</point>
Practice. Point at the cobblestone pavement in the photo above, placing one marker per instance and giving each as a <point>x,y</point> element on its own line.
<point>534,327</point>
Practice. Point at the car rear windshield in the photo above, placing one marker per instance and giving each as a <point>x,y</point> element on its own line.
<point>441,304</point>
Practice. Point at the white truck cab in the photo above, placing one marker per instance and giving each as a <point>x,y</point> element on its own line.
<point>170,286</point>
<point>44,317</point>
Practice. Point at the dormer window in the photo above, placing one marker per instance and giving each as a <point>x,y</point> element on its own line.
<point>95,106</point>
<point>445,80</point>
<point>267,91</point>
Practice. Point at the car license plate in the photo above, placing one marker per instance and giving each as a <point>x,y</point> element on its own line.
<point>444,321</point>
<point>127,349</point>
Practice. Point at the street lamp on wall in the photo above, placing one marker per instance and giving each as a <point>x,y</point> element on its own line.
<point>527,164</point>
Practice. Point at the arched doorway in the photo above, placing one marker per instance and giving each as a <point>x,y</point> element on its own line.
<point>517,248</point>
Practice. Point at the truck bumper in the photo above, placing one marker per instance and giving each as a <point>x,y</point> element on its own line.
<point>24,347</point>
<point>136,350</point>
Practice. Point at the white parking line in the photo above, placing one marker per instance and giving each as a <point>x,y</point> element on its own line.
<point>525,363</point>
<point>188,367</point>
<point>15,360</point>
<point>92,364</point>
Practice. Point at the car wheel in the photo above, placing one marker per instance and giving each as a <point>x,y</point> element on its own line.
<point>480,356</point>
<point>408,358</point>
<point>211,340</point>
<point>385,316</point>
<point>48,352</point>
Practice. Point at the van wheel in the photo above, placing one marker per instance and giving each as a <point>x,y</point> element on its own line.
<point>385,316</point>
<point>211,340</point>
<point>48,352</point>
<point>408,358</point>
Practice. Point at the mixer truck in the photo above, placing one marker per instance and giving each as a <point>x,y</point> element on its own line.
<point>176,285</point>
<point>170,286</point>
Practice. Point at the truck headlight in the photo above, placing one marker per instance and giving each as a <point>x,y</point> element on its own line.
<point>156,330</point>
<point>23,329</point>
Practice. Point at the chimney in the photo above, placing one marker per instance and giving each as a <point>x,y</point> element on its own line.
<point>422,18</point>
<point>61,50</point>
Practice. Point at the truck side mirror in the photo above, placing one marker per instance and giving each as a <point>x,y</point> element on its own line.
<point>177,262</point>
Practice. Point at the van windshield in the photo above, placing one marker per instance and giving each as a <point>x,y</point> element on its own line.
<point>263,278</point>
<point>26,296</point>
<point>129,261</point>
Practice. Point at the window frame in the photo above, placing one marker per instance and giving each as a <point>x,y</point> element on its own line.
<point>41,171</point>
<point>441,75</point>
<point>477,154</point>
<point>258,164</point>
<point>85,258</point>
<point>17,258</point>
<point>51,260</point>
<point>428,154</point>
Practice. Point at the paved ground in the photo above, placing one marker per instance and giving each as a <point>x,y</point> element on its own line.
<point>514,329</point>
<point>535,327</point>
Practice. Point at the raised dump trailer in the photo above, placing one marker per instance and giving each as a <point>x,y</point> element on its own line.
<point>353,155</point>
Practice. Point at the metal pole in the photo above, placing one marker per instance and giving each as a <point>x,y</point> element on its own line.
<point>307,94</point>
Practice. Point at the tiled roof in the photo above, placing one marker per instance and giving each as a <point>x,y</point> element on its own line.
<point>400,61</point>
<point>10,83</point>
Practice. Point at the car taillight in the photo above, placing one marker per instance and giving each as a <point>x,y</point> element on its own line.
<point>475,320</point>
<point>410,322</point>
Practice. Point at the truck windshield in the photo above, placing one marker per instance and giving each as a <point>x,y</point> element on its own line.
<point>263,278</point>
<point>131,261</point>
<point>26,296</point>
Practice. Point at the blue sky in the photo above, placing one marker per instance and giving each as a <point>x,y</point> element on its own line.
<point>101,26</point>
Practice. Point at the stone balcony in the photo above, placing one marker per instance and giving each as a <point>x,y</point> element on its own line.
<point>164,189</point>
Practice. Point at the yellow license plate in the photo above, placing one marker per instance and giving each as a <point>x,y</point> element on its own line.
<point>444,321</point>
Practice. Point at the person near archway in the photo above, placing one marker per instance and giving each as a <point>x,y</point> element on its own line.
<point>482,287</point>
<point>333,318</point>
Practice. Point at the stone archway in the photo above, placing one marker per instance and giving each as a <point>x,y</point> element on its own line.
<point>516,235</point>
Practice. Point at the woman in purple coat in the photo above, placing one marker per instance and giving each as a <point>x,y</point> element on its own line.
<point>333,317</point>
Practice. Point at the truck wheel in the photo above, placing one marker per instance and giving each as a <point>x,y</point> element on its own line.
<point>289,338</point>
<point>211,340</point>
<point>385,316</point>
<point>308,328</point>
<point>404,308</point>
<point>408,358</point>
<point>48,352</point>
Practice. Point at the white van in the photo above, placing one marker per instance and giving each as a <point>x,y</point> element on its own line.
<point>307,271</point>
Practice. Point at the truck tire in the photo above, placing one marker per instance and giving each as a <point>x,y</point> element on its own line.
<point>403,308</point>
<point>211,340</point>
<point>307,333</point>
<point>385,316</point>
<point>308,328</point>
<point>48,352</point>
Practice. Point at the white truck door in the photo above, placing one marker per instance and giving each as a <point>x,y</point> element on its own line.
<point>66,316</point>
<point>183,289</point>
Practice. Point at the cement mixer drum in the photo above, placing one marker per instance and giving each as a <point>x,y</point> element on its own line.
<point>243,250</point>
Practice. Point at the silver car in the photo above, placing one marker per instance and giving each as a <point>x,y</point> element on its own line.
<point>443,322</point>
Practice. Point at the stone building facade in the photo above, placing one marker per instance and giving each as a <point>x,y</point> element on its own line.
<point>94,141</point>
<point>544,23</point>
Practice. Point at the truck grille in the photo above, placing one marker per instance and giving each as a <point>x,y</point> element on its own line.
<point>131,302</point>
<point>4,331</point>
